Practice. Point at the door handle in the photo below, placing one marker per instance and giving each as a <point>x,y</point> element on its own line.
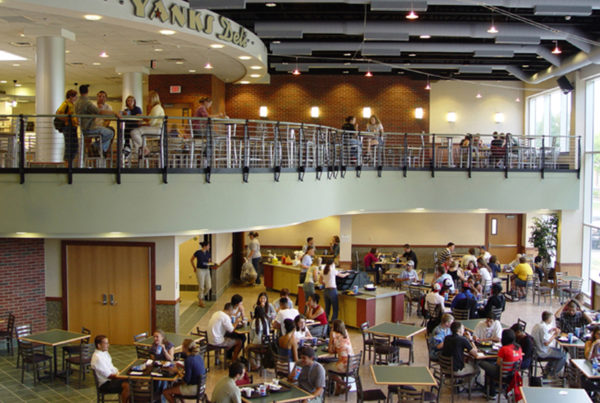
<point>104,299</point>
<point>112,300</point>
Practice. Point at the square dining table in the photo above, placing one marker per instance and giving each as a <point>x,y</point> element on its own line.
<point>402,375</point>
<point>470,324</point>
<point>545,395</point>
<point>156,373</point>
<point>294,394</point>
<point>176,339</point>
<point>585,367</point>
<point>55,338</point>
<point>397,330</point>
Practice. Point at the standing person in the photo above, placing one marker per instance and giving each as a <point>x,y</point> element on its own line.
<point>334,248</point>
<point>69,130</point>
<point>155,125</point>
<point>543,334</point>
<point>193,369</point>
<point>445,253</point>
<point>409,254</point>
<point>312,375</point>
<point>370,262</point>
<point>226,391</point>
<point>84,106</point>
<point>202,270</point>
<point>312,272</point>
<point>331,298</point>
<point>131,109</point>
<point>202,112</point>
<point>309,242</point>
<point>508,354</point>
<point>254,253</point>
<point>374,126</point>
<point>101,97</point>
<point>106,372</point>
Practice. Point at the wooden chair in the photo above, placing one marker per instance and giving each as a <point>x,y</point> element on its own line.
<point>143,352</point>
<point>540,290</point>
<point>282,366</point>
<point>505,376</point>
<point>497,312</point>
<point>7,334</point>
<point>73,349</point>
<point>30,357</point>
<point>139,337</point>
<point>461,314</point>
<point>369,395</point>
<point>385,352</point>
<point>141,390</point>
<point>352,368</point>
<point>100,396</point>
<point>367,341</point>
<point>522,323</point>
<point>454,380</point>
<point>82,360</point>
<point>408,395</point>
<point>200,395</point>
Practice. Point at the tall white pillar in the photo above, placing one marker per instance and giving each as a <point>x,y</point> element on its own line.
<point>346,239</point>
<point>49,94</point>
<point>132,84</point>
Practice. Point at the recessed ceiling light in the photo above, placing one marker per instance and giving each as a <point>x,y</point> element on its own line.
<point>256,67</point>
<point>244,82</point>
<point>420,209</point>
<point>96,64</point>
<point>192,70</point>
<point>400,72</point>
<point>6,56</point>
<point>276,42</point>
<point>167,32</point>
<point>412,54</point>
<point>345,72</point>
<point>347,64</point>
<point>179,62</point>
<point>525,66</point>
<point>208,66</point>
<point>16,65</point>
<point>158,49</point>
<point>217,46</point>
<point>347,54</point>
<point>18,85</point>
<point>92,17</point>
<point>245,57</point>
<point>254,75</point>
<point>67,51</point>
<point>425,36</point>
<point>412,15</point>
<point>104,54</point>
<point>270,4</point>
<point>2,81</point>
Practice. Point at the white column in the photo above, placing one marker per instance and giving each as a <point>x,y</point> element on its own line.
<point>132,84</point>
<point>49,94</point>
<point>346,238</point>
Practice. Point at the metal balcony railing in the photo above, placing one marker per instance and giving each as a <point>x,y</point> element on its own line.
<point>31,144</point>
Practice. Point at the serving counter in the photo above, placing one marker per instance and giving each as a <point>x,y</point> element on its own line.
<point>382,305</point>
<point>278,276</point>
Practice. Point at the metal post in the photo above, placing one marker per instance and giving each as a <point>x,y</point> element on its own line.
<point>120,135</point>
<point>276,162</point>
<point>246,167</point>
<point>209,151</point>
<point>432,155</point>
<point>21,149</point>
<point>543,159</point>
<point>164,149</point>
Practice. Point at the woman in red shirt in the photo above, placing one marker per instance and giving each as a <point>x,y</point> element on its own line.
<point>507,355</point>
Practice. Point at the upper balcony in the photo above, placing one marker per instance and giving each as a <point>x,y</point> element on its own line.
<point>340,172</point>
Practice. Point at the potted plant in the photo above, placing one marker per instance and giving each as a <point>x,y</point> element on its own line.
<point>544,236</point>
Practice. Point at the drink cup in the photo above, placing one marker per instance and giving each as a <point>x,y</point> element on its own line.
<point>314,341</point>
<point>578,332</point>
<point>262,390</point>
<point>275,381</point>
<point>570,336</point>
<point>297,371</point>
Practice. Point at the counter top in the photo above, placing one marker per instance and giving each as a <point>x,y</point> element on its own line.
<point>380,292</point>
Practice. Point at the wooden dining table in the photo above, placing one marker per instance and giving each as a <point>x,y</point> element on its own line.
<point>174,338</point>
<point>154,372</point>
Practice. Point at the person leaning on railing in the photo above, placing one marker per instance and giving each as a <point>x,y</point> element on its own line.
<point>69,131</point>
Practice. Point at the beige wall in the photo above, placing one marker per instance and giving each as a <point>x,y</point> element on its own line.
<point>295,235</point>
<point>476,115</point>
<point>185,252</point>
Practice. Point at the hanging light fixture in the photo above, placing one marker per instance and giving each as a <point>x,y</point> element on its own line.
<point>478,95</point>
<point>296,72</point>
<point>412,15</point>
<point>492,29</point>
<point>368,74</point>
<point>428,87</point>
<point>556,50</point>
<point>208,66</point>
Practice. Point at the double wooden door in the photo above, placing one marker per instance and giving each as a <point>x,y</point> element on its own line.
<point>504,235</point>
<point>109,289</point>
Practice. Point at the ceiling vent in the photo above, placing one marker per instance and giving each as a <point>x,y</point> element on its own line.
<point>150,42</point>
<point>175,59</point>
<point>21,44</point>
<point>75,64</point>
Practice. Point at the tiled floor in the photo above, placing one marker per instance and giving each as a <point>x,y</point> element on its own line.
<point>12,390</point>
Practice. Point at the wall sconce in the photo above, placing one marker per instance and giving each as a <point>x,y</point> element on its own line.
<point>367,112</point>
<point>499,117</point>
<point>314,112</point>
<point>263,112</point>
<point>451,117</point>
<point>419,113</point>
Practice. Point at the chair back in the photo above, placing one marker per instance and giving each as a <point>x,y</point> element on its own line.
<point>572,375</point>
<point>507,372</point>
<point>522,323</point>
<point>363,331</point>
<point>407,395</point>
<point>446,366</point>
<point>10,324</point>
<point>439,379</point>
<point>497,312</point>
<point>201,391</point>
<point>434,310</point>
<point>415,293</point>
<point>140,390</point>
<point>461,314</point>
<point>86,351</point>
<point>87,331</point>
<point>23,330</point>
<point>282,366</point>
<point>143,352</point>
<point>576,285</point>
<point>353,363</point>
<point>139,337</point>
<point>360,397</point>
<point>26,350</point>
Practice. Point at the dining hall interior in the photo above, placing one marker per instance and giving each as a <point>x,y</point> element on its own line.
<point>487,141</point>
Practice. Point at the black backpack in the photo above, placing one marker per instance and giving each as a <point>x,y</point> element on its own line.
<point>59,124</point>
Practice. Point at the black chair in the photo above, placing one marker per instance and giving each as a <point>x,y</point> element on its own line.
<point>31,358</point>
<point>408,395</point>
<point>23,331</point>
<point>454,380</point>
<point>572,375</point>
<point>369,395</point>
<point>497,313</point>
<point>141,390</point>
<point>352,368</point>
<point>82,360</point>
<point>385,351</point>
<point>522,323</point>
<point>73,349</point>
<point>433,394</point>
<point>7,334</point>
<point>282,366</point>
<point>258,353</point>
<point>200,395</point>
<point>461,314</point>
<point>407,344</point>
<point>100,396</point>
<point>143,352</point>
<point>367,341</point>
<point>505,376</point>
<point>216,350</point>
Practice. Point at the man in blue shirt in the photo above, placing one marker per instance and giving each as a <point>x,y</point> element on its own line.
<point>465,300</point>
<point>202,270</point>
<point>436,341</point>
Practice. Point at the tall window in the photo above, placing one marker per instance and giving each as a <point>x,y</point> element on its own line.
<point>548,114</point>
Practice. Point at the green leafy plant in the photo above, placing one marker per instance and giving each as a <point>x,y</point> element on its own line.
<point>544,236</point>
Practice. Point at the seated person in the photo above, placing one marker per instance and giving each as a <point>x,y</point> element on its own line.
<point>284,293</point>
<point>455,346</point>
<point>465,300</point>
<point>259,328</point>
<point>106,372</point>
<point>509,353</point>
<point>488,330</point>
<point>283,314</point>
<point>288,344</point>
<point>521,272</point>
<point>526,343</point>
<point>572,318</point>
<point>301,331</point>
<point>341,345</point>
<point>409,275</point>
<point>220,330</point>
<point>193,369</point>
<point>495,301</point>
<point>441,279</point>
<point>312,375</point>
<point>578,300</point>
<point>495,266</point>
<point>469,257</point>
<point>538,267</point>
<point>456,273</point>
<point>371,265</point>
<point>436,341</point>
<point>226,390</point>
<point>314,310</point>
<point>162,349</point>
<point>543,334</point>
<point>592,346</point>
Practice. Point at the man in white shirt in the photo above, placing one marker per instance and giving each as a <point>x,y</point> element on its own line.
<point>488,330</point>
<point>469,257</point>
<point>410,274</point>
<point>486,278</point>
<point>543,334</point>
<point>221,328</point>
<point>283,314</point>
<point>105,370</point>
<point>483,253</point>
<point>434,298</point>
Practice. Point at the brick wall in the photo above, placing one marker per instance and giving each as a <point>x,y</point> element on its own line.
<point>289,98</point>
<point>22,283</point>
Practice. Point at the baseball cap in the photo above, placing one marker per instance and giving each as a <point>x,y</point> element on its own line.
<point>448,282</point>
<point>437,287</point>
<point>410,263</point>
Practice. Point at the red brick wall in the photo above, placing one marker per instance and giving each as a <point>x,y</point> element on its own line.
<point>289,98</point>
<point>22,281</point>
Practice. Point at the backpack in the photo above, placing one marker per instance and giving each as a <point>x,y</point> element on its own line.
<point>59,124</point>
<point>269,357</point>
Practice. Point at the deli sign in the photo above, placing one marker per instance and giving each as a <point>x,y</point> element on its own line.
<point>195,20</point>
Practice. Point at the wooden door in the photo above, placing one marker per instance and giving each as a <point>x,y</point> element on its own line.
<point>504,236</point>
<point>109,289</point>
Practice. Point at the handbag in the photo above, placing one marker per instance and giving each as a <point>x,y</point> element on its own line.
<point>59,124</point>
